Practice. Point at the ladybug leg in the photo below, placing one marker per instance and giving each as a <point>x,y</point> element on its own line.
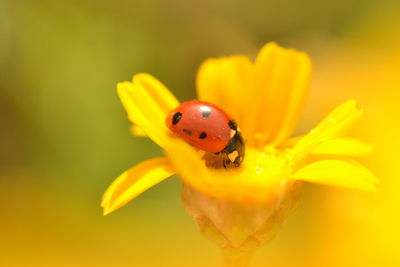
<point>225,162</point>
<point>222,160</point>
<point>214,160</point>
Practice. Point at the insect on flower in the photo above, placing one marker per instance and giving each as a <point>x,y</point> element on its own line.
<point>237,197</point>
<point>209,128</point>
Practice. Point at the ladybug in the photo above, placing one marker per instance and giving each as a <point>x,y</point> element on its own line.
<point>208,128</point>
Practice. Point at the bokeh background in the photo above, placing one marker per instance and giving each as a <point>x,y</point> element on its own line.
<point>64,135</point>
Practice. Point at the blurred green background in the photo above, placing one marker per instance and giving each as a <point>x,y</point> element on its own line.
<point>64,135</point>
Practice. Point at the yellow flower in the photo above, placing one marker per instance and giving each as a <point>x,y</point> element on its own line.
<point>239,206</point>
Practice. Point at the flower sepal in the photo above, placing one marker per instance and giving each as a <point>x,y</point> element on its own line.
<point>241,225</point>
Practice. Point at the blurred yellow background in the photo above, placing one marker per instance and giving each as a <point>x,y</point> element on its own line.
<point>64,135</point>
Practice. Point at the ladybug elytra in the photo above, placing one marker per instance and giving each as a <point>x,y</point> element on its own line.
<point>208,128</point>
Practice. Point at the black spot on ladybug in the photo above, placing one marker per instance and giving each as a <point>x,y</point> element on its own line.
<point>202,135</point>
<point>217,153</point>
<point>188,132</point>
<point>233,125</point>
<point>176,118</point>
<point>206,113</point>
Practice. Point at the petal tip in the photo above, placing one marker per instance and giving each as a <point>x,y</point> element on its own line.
<point>352,103</point>
<point>271,45</point>
<point>135,181</point>
<point>137,131</point>
<point>105,200</point>
<point>106,211</point>
<point>123,88</point>
<point>141,75</point>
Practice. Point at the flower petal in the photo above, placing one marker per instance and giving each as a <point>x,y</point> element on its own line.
<point>135,181</point>
<point>224,82</point>
<point>189,165</point>
<point>147,102</point>
<point>343,173</point>
<point>137,117</point>
<point>337,124</point>
<point>260,178</point>
<point>344,146</point>
<point>156,93</point>
<point>137,131</point>
<point>277,98</point>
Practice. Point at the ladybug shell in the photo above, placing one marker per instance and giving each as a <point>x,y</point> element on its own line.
<point>201,124</point>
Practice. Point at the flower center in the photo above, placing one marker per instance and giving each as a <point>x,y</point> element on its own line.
<point>263,173</point>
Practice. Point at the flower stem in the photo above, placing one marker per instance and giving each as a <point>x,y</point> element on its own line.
<point>236,257</point>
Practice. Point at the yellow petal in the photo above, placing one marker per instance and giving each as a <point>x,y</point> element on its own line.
<point>137,131</point>
<point>277,97</point>
<point>343,173</point>
<point>190,166</point>
<point>224,81</point>
<point>345,114</point>
<point>147,102</point>
<point>135,181</point>
<point>155,93</point>
<point>337,124</point>
<point>135,115</point>
<point>344,146</point>
<point>290,143</point>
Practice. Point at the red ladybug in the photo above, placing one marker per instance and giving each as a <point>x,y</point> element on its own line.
<point>209,128</point>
